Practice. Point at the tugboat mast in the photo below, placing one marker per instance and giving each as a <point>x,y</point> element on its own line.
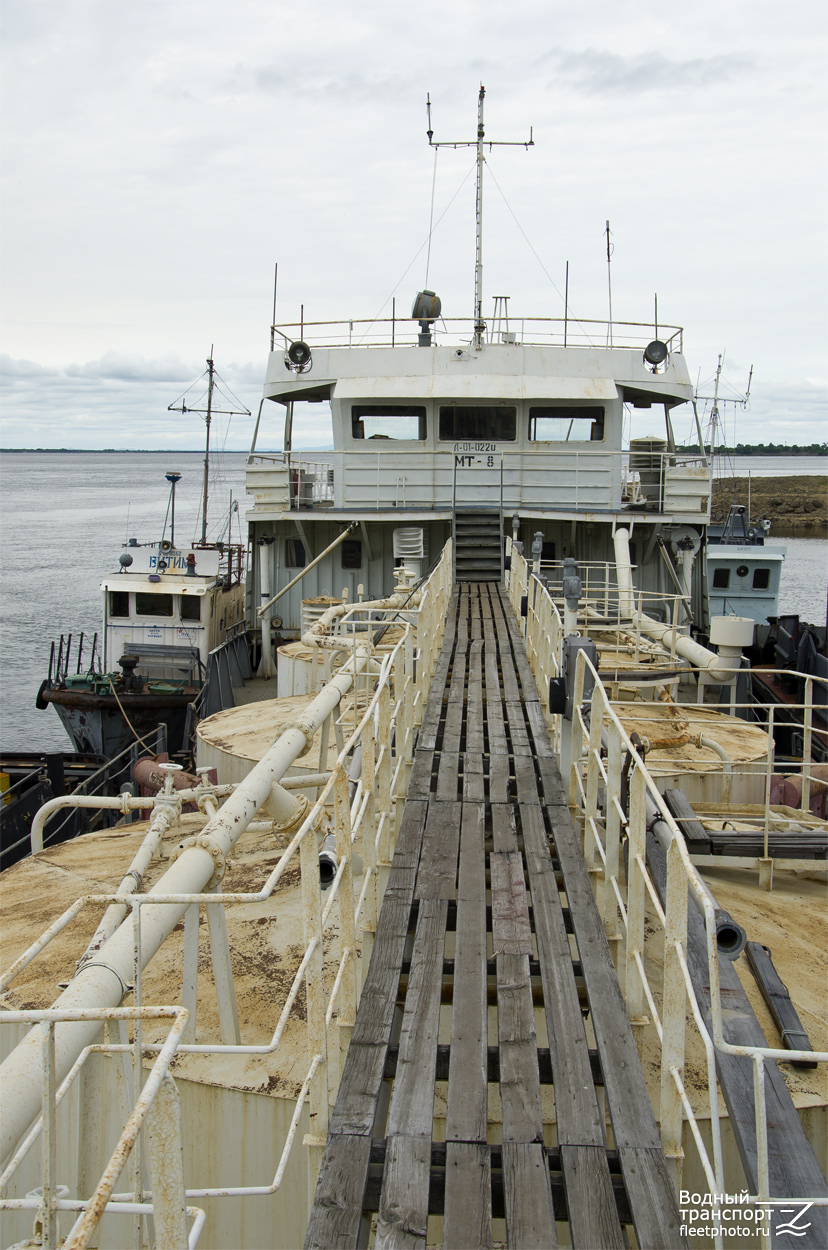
<point>181,406</point>
<point>479,143</point>
<point>207,419</point>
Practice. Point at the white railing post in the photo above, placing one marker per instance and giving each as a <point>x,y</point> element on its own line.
<point>315,995</point>
<point>615,758</point>
<point>637,851</point>
<point>346,1014</point>
<point>673,1010</point>
<point>166,1161</point>
<point>383,787</point>
<point>591,813</point>
<point>368,832</point>
<point>223,973</point>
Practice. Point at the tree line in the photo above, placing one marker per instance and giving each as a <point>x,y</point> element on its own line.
<point>767,449</point>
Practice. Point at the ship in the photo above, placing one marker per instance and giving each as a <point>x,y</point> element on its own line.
<point>488,914</point>
<point>166,608</point>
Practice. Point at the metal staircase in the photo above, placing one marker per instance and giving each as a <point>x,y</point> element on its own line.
<point>478,544</point>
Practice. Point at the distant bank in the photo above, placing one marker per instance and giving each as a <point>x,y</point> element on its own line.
<point>796,504</point>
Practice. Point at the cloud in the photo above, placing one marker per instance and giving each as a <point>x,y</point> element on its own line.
<point>123,366</point>
<point>121,400</point>
<point>598,72</point>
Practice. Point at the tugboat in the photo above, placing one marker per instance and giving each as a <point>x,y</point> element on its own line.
<point>165,609</point>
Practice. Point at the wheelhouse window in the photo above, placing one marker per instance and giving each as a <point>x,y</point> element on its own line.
<point>761,579</point>
<point>566,425</point>
<point>721,579</point>
<point>294,553</point>
<point>153,605</point>
<point>352,553</point>
<point>483,422</point>
<point>389,421</point>
<point>119,603</point>
<point>190,608</point>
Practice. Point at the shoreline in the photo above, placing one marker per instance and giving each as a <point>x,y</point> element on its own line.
<point>796,505</point>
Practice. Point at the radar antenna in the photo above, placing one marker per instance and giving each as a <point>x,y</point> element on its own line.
<point>480,143</point>
<point>181,405</point>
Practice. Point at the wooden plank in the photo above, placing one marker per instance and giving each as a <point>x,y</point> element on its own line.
<point>337,1210</point>
<point>467,1212</point>
<point>473,780</point>
<point>412,1100</point>
<point>527,681</point>
<point>410,836</point>
<point>551,781</point>
<point>538,730</point>
<point>419,783</point>
<point>578,1115</point>
<point>778,1000</point>
<point>527,1193</point>
<point>517,729</point>
<point>526,781</point>
<point>402,1220</point>
<point>493,710</point>
<point>511,930</point>
<point>467,1102</point>
<point>456,700</point>
<point>508,676</point>
<point>590,1201</point>
<point>656,1217</point>
<point>517,1044</point>
<point>448,777</point>
<point>475,740</point>
<point>499,769</point>
<point>437,874</point>
<point>504,832</point>
<point>633,1121</point>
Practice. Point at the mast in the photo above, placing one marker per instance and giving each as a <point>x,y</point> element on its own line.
<point>208,418</point>
<point>479,327</point>
<point>479,143</point>
<point>181,405</point>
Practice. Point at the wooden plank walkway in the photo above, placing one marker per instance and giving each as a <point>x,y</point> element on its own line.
<point>454,1123</point>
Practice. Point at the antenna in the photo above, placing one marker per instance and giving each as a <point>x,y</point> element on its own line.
<point>273,318</point>
<point>740,402</point>
<point>609,285</point>
<point>479,324</point>
<point>207,413</point>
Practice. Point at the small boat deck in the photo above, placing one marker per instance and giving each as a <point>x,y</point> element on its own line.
<point>488,927</point>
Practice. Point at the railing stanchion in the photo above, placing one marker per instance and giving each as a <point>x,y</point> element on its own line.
<point>637,851</point>
<point>673,1011</point>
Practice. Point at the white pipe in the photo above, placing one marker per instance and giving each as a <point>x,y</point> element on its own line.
<point>713,745</point>
<point>266,668</point>
<point>623,569</point>
<point>124,803</point>
<point>340,538</point>
<point>687,557</point>
<point>721,668</point>
<point>103,982</point>
<point>317,634</point>
<point>163,820</point>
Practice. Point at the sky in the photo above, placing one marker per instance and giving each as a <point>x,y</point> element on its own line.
<point>160,156</point>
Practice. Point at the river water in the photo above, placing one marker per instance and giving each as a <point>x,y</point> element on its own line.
<point>66,515</point>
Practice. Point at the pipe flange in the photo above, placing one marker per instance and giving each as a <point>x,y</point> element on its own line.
<point>307,733</point>
<point>205,843</point>
<point>126,987</point>
<point>293,822</point>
